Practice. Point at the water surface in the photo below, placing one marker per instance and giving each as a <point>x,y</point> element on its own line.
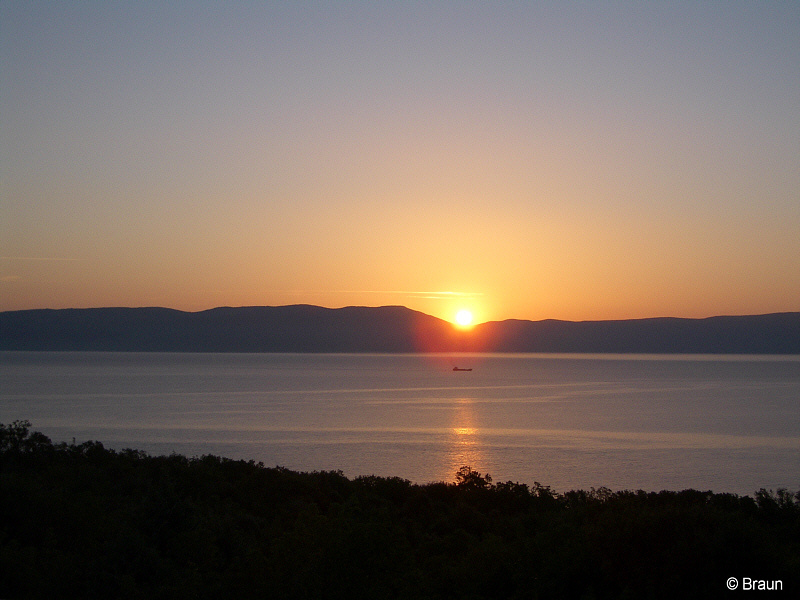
<point>726,423</point>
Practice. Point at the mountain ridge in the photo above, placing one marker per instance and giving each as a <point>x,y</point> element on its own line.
<point>394,329</point>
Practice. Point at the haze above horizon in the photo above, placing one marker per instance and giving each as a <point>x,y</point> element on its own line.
<point>575,161</point>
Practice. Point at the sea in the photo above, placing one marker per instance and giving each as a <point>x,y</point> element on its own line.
<point>725,423</point>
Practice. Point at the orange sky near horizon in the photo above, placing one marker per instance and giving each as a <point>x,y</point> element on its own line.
<point>570,161</point>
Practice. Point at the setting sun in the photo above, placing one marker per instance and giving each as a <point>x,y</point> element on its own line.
<point>463,318</point>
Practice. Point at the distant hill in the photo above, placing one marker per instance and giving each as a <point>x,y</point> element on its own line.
<point>297,328</point>
<point>304,328</point>
<point>759,334</point>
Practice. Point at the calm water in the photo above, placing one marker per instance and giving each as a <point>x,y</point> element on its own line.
<point>627,422</point>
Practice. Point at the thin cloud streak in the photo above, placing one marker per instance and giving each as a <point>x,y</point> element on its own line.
<point>38,258</point>
<point>407,293</point>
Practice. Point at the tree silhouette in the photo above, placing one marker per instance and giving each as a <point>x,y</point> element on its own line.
<point>469,479</point>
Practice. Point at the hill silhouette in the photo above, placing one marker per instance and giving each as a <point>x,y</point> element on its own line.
<point>777,333</point>
<point>305,328</point>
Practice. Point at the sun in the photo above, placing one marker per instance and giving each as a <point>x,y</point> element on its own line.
<point>463,318</point>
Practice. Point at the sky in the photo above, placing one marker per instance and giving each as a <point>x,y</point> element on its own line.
<point>527,160</point>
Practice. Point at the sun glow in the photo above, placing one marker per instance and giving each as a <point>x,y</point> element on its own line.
<point>463,318</point>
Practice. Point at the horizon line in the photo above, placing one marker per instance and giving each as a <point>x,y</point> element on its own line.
<point>408,308</point>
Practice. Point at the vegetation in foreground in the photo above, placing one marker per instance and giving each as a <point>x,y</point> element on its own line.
<point>80,521</point>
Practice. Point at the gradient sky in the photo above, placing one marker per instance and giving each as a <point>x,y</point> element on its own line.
<point>586,160</point>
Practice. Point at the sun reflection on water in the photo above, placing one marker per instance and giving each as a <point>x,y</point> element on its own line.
<point>464,442</point>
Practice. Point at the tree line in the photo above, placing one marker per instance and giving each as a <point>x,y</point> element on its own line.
<point>79,520</point>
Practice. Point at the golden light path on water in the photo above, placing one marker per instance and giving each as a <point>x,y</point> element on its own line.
<point>464,443</point>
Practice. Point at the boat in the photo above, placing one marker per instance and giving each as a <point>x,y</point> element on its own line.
<point>457,369</point>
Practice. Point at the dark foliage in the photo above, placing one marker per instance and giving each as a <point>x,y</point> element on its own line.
<point>80,521</point>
